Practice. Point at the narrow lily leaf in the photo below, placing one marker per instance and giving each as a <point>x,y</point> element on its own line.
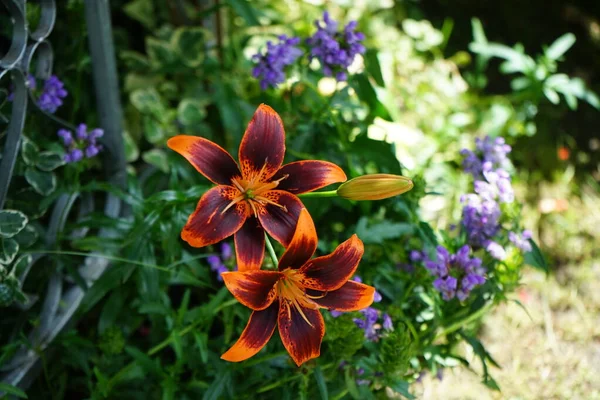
<point>321,383</point>
<point>15,391</point>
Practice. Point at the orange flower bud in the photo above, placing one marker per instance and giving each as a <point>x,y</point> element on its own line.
<point>374,187</point>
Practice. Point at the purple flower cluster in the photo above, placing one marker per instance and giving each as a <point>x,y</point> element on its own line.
<point>335,50</point>
<point>270,66</point>
<point>370,321</point>
<point>84,143</point>
<point>481,210</point>
<point>217,262</point>
<point>456,274</point>
<point>51,96</point>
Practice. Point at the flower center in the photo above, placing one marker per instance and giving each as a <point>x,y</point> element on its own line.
<point>254,191</point>
<point>292,293</point>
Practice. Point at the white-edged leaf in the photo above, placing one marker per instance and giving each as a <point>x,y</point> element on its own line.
<point>42,182</point>
<point>11,223</point>
<point>49,161</point>
<point>8,250</point>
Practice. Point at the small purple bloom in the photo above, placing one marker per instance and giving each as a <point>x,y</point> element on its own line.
<point>357,278</point>
<point>226,251</point>
<point>377,297</point>
<point>213,261</point>
<point>335,313</point>
<point>75,155</point>
<point>446,286</point>
<point>91,151</point>
<point>521,241</point>
<point>387,322</point>
<point>66,136</point>
<point>496,250</point>
<point>416,256</point>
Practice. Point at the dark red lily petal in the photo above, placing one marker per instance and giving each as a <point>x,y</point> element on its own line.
<point>301,340</point>
<point>303,244</point>
<point>255,336</point>
<point>263,145</point>
<point>352,296</point>
<point>278,222</point>
<point>309,175</point>
<point>210,159</point>
<point>250,245</point>
<point>209,224</point>
<point>330,272</point>
<point>254,289</point>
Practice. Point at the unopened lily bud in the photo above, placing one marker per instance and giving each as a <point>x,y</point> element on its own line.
<point>374,187</point>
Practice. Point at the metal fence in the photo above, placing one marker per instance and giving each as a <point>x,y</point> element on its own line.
<point>27,48</point>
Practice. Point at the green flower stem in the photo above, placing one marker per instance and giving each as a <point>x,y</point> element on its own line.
<point>271,250</point>
<point>328,193</point>
<point>459,324</point>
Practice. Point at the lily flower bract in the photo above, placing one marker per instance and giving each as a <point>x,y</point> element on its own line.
<point>292,296</point>
<point>258,195</point>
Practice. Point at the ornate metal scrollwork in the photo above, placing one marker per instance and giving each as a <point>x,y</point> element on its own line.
<point>62,296</point>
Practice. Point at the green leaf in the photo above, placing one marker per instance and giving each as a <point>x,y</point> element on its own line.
<point>153,131</point>
<point>148,364</point>
<point>11,223</point>
<point>373,67</point>
<point>402,387</point>
<point>161,53</point>
<point>190,43</point>
<point>551,95</point>
<point>321,383</point>
<point>42,182</point>
<point>29,151</point>
<point>49,161</point>
<point>134,60</point>
<point>215,390</point>
<point>367,93</point>
<point>12,390</point>
<point>560,46</point>
<point>245,10</point>
<point>142,11</point>
<point>191,111</point>
<point>535,258</point>
<point>21,264</point>
<point>132,152</point>
<point>8,250</point>
<point>110,311</point>
<point>147,101</point>
<point>384,230</point>
<point>351,385</point>
<point>157,158</point>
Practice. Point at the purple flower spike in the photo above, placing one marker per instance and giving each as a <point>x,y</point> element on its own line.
<point>76,155</point>
<point>66,137</point>
<point>335,50</point>
<point>91,151</point>
<point>521,241</point>
<point>270,67</point>
<point>377,297</point>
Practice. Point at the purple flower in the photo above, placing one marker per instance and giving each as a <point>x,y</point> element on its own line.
<point>335,313</point>
<point>416,256</point>
<point>357,278</point>
<point>521,241</point>
<point>74,156</point>
<point>480,219</point>
<point>270,67</point>
<point>334,49</point>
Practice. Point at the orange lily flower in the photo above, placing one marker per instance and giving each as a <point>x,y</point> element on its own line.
<point>291,297</point>
<point>258,195</point>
